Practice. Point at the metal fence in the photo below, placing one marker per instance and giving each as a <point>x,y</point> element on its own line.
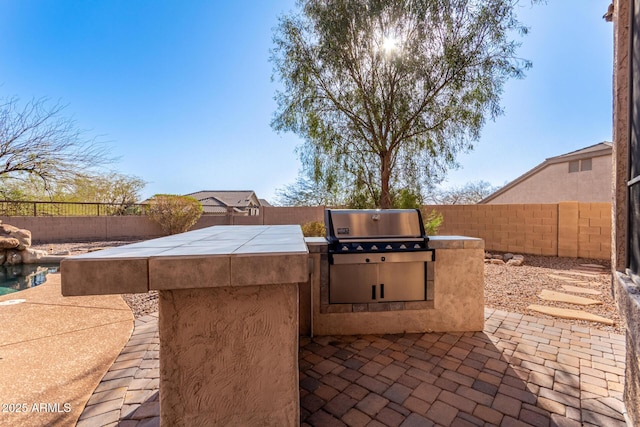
<point>35,208</point>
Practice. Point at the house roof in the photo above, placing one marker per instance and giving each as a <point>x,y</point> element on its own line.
<point>223,198</point>
<point>601,149</point>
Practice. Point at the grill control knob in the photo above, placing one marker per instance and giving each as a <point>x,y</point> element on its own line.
<point>374,248</point>
<point>359,248</point>
<point>388,247</point>
<point>416,246</point>
<point>345,248</point>
<point>403,247</point>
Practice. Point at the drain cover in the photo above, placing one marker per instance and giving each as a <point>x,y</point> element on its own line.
<point>12,301</point>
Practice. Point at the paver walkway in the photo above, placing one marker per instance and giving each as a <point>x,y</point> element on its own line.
<point>521,370</point>
<point>128,395</point>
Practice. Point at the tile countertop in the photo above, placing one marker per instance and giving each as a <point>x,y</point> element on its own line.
<point>209,257</point>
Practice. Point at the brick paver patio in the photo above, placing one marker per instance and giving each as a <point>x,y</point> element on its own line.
<point>520,371</point>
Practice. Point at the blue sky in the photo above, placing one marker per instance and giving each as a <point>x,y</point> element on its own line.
<point>182,90</point>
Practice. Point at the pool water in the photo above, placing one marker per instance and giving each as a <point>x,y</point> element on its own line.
<point>14,278</point>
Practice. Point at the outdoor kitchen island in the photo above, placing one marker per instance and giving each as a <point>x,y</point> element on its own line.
<point>454,300</point>
<point>228,318</point>
<point>233,300</point>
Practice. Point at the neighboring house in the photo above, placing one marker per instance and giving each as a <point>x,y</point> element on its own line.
<point>222,202</point>
<point>584,176</point>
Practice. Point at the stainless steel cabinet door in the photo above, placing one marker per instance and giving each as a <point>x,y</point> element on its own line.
<point>353,283</point>
<point>402,281</point>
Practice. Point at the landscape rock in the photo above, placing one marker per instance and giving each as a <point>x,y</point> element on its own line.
<point>13,257</point>
<point>2,257</point>
<point>515,262</point>
<point>32,256</point>
<point>508,259</point>
<point>23,236</point>
<point>9,243</point>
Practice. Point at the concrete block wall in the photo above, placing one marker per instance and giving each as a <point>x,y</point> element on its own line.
<point>296,215</point>
<point>569,229</point>
<point>530,228</point>
<point>594,230</point>
<point>53,229</point>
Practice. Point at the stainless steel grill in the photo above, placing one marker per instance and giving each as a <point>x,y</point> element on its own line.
<point>377,255</point>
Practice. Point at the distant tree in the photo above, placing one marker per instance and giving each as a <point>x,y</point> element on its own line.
<point>37,141</point>
<point>386,93</point>
<point>21,189</point>
<point>307,192</point>
<point>175,214</point>
<point>113,187</point>
<point>468,194</point>
<point>119,190</point>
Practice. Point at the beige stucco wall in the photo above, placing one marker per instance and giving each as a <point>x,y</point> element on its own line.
<point>458,303</point>
<point>543,186</point>
<point>229,356</point>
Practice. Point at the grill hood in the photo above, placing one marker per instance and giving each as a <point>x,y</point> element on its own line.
<point>373,224</point>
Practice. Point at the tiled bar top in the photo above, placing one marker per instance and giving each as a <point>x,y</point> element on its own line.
<point>224,255</point>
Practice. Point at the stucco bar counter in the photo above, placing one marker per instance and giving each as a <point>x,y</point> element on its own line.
<point>228,318</point>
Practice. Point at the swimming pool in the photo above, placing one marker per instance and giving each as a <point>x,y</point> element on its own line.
<point>14,278</point>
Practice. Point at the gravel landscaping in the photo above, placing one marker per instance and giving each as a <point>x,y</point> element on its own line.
<point>508,288</point>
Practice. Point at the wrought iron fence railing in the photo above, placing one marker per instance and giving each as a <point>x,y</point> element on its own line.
<point>37,208</point>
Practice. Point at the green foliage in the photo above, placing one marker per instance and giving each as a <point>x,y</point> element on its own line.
<point>120,191</point>
<point>386,94</point>
<point>407,199</point>
<point>112,188</point>
<point>468,194</point>
<point>432,222</point>
<point>174,213</point>
<point>307,192</point>
<point>314,229</point>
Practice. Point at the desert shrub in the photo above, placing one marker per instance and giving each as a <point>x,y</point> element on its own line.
<point>313,229</point>
<point>175,214</point>
<point>432,222</point>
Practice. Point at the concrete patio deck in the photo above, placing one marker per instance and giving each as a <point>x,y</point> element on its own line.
<point>54,351</point>
<point>521,370</point>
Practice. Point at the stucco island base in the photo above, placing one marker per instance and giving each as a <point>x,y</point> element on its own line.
<point>457,304</point>
<point>228,318</point>
<point>228,350</point>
